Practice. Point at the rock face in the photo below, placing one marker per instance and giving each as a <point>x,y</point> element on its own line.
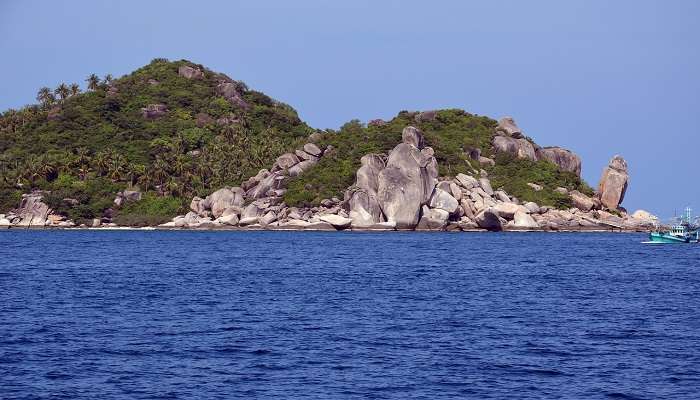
<point>507,126</point>
<point>154,111</point>
<point>231,92</point>
<point>520,148</point>
<point>223,199</point>
<point>523,220</point>
<point>613,183</point>
<point>190,72</point>
<point>407,181</point>
<point>363,202</point>
<point>565,159</point>
<point>581,201</point>
<point>32,210</point>
<point>432,219</point>
<point>489,219</point>
<point>127,196</point>
<point>443,200</point>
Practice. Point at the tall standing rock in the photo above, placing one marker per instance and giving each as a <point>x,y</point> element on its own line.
<point>613,183</point>
<point>363,202</point>
<point>407,181</point>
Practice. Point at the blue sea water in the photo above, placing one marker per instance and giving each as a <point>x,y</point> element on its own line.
<point>318,315</point>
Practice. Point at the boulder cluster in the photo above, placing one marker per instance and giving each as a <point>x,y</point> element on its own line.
<point>400,190</point>
<point>33,212</point>
<point>510,139</point>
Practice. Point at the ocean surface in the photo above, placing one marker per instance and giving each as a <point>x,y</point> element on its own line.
<point>318,315</point>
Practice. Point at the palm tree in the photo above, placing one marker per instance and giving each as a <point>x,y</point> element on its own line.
<point>45,97</point>
<point>47,168</point>
<point>144,181</point>
<point>82,156</point>
<point>117,167</point>
<point>108,79</point>
<point>32,170</point>
<point>160,171</point>
<point>93,82</point>
<point>101,161</point>
<point>83,171</point>
<point>62,91</point>
<point>74,89</point>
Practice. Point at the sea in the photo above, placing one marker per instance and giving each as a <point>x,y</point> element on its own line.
<point>345,315</point>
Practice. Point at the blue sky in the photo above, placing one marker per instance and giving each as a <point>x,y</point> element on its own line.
<point>597,77</point>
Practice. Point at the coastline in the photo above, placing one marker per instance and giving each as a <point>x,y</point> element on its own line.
<point>260,228</point>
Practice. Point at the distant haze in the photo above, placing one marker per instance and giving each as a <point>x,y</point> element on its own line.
<point>597,77</point>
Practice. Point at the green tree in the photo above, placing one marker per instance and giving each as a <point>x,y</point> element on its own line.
<point>45,97</point>
<point>93,82</point>
<point>74,89</point>
<point>62,91</point>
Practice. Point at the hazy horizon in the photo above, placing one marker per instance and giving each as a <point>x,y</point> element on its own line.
<point>599,79</point>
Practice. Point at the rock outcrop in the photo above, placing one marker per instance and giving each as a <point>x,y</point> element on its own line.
<point>154,111</point>
<point>407,181</point>
<point>190,72</point>
<point>520,148</point>
<point>507,126</point>
<point>564,159</point>
<point>613,183</point>
<point>32,210</point>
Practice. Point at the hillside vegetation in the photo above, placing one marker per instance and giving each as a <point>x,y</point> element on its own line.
<point>87,146</point>
<point>450,133</point>
<point>174,136</point>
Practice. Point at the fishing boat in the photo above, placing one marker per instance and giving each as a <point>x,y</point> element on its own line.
<point>685,230</point>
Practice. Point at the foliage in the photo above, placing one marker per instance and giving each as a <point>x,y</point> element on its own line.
<point>450,133</point>
<point>513,175</point>
<point>101,136</point>
<point>151,210</point>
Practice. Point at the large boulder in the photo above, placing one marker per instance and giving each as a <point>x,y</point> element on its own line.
<point>581,201</point>
<point>443,200</point>
<point>154,111</point>
<point>485,185</point>
<point>520,148</point>
<point>367,176</point>
<point>507,210</point>
<point>224,198</point>
<point>507,126</point>
<point>613,183</point>
<point>488,218</point>
<point>432,219</point>
<point>413,136</point>
<point>564,159</point>
<point>466,181</point>
<point>336,220</point>
<point>523,220</point>
<point>401,195</point>
<point>407,181</point>
<point>273,181</point>
<point>190,72</point>
<point>32,210</point>
<point>232,92</point>
<point>364,207</point>
<point>301,167</point>
<point>313,150</point>
<point>285,161</point>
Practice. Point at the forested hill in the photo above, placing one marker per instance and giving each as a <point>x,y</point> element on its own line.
<point>175,130</point>
<point>173,126</point>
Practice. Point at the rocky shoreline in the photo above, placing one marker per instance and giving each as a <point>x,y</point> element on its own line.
<point>398,191</point>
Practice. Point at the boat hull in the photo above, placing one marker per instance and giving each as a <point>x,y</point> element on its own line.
<point>656,237</point>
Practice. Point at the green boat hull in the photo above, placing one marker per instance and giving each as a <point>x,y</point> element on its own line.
<point>657,237</point>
